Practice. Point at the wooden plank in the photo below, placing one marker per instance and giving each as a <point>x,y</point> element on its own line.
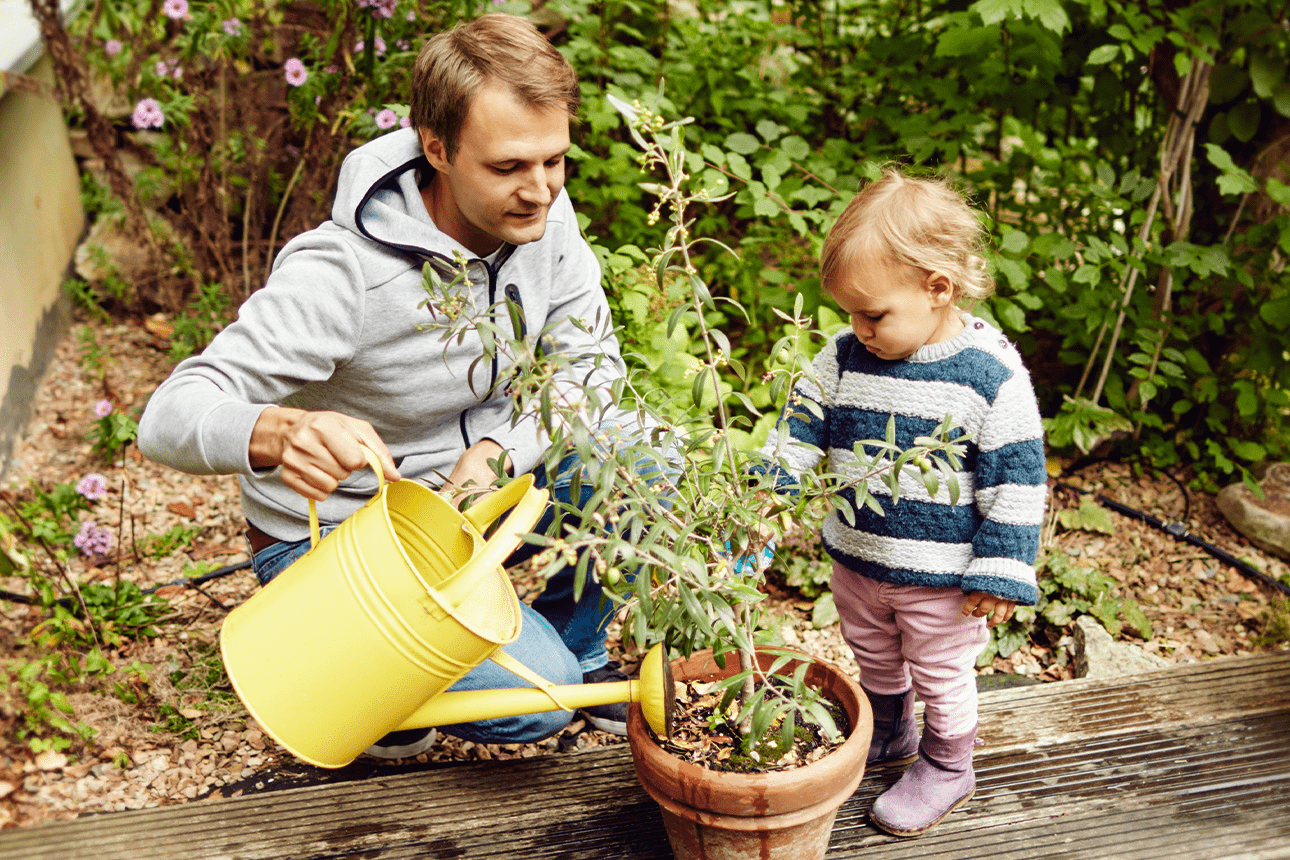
<point>1188,764</point>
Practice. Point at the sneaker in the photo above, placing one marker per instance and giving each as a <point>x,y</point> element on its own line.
<point>404,743</point>
<point>612,717</point>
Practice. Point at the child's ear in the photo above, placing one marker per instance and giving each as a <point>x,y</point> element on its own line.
<point>941,290</point>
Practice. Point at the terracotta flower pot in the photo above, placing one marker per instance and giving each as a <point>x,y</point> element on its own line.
<point>782,815</point>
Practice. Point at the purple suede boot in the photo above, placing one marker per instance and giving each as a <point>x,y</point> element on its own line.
<point>940,781</point>
<point>895,732</point>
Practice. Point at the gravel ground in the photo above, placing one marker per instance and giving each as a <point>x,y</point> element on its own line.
<point>187,738</point>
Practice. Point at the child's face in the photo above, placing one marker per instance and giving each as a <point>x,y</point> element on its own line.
<point>895,308</point>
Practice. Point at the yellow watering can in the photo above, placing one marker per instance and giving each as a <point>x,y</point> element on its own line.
<point>364,633</point>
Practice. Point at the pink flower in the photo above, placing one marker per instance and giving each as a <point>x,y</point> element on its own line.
<point>380,8</point>
<point>93,539</point>
<point>103,408</point>
<point>168,69</point>
<point>93,486</point>
<point>175,9</point>
<point>112,47</point>
<point>387,119</point>
<point>378,42</point>
<point>405,122</point>
<point>232,26</point>
<point>147,114</point>
<point>295,71</point>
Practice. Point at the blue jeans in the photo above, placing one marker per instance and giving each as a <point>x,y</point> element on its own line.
<point>560,638</point>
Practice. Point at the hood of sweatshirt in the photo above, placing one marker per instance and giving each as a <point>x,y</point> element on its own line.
<point>378,197</point>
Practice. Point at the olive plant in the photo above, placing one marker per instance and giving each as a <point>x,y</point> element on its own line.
<point>676,511</point>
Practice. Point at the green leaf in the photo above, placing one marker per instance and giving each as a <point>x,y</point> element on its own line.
<point>1234,180</point>
<point>794,147</point>
<point>1226,82</point>
<point>994,11</point>
<point>1276,313</point>
<point>1251,452</point>
<point>742,143</point>
<point>1281,100</point>
<point>825,612</point>
<point>768,129</point>
<point>1267,73</point>
<point>965,41</point>
<point>1243,120</point>
<point>1048,13</point>
<point>1089,517</point>
<point>1103,54</point>
<point>1008,313</point>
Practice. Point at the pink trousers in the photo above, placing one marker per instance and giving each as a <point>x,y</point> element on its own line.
<point>905,635</point>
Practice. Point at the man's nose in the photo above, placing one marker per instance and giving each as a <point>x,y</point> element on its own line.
<point>537,186</point>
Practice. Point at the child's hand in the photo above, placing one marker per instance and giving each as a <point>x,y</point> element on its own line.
<point>995,610</point>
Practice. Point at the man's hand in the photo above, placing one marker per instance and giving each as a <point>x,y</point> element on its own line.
<point>473,475</point>
<point>316,450</point>
<point>995,610</point>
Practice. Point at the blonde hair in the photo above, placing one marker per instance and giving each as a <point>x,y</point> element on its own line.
<point>454,65</point>
<point>924,223</point>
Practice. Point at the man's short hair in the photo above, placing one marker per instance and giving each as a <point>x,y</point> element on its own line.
<point>454,65</point>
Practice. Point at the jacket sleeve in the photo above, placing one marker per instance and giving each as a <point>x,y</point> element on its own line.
<point>199,420</point>
<point>1011,492</point>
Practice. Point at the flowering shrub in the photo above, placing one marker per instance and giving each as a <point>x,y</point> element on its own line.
<point>244,111</point>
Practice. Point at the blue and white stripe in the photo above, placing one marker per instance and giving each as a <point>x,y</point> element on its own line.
<point>989,539</point>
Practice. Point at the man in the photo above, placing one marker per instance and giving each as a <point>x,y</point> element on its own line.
<point>331,355</point>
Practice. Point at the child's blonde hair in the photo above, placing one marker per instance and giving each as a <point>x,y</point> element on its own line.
<point>925,223</point>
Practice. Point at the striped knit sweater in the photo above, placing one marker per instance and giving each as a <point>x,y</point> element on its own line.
<point>988,540</point>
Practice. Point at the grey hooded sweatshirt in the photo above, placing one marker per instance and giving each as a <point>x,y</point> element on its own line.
<point>337,327</point>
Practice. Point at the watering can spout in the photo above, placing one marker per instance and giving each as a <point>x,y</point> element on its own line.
<point>654,691</point>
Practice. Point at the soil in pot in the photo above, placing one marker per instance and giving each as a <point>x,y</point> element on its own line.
<point>770,815</point>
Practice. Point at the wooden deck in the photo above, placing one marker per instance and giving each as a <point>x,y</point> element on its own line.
<point>1188,763</point>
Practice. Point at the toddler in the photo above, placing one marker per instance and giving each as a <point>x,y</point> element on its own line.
<point>917,586</point>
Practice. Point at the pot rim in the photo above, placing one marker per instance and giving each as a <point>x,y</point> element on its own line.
<point>797,790</point>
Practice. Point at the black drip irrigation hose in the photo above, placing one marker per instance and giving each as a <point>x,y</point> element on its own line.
<point>1179,531</point>
<point>187,582</point>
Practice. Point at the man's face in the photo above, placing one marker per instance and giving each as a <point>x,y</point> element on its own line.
<point>508,169</point>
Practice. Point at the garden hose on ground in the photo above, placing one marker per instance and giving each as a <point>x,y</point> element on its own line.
<point>1179,531</point>
<point>187,582</point>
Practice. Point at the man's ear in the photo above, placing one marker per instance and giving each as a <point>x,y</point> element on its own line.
<point>940,289</point>
<point>433,148</point>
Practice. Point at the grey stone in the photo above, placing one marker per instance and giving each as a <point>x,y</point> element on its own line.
<point>1266,521</point>
<point>1097,655</point>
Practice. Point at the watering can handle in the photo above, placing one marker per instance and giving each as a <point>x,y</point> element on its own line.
<point>527,504</point>
<point>482,514</point>
<point>313,508</point>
